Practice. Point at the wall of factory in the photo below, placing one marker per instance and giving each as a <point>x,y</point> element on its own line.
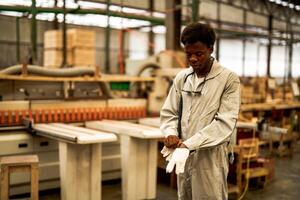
<point>8,40</point>
<point>137,43</point>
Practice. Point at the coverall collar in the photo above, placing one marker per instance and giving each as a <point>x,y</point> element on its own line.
<point>216,69</point>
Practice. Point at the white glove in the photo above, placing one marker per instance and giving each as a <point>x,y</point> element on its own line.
<point>179,158</point>
<point>167,152</point>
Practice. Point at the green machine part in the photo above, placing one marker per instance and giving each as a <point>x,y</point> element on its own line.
<point>123,86</point>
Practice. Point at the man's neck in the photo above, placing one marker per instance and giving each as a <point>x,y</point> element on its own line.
<point>208,67</point>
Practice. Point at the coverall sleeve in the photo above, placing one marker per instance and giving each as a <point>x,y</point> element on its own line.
<point>223,124</point>
<point>169,111</point>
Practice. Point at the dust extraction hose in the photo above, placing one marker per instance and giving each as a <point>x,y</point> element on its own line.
<point>60,72</point>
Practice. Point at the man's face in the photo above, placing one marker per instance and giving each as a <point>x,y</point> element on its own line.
<point>198,55</point>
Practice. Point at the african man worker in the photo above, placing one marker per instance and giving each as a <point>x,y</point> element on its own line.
<point>200,114</point>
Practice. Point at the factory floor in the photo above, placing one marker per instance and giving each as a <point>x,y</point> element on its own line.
<point>285,185</point>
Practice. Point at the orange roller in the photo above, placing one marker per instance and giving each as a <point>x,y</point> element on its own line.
<point>136,112</point>
<point>24,114</point>
<point>105,113</point>
<point>43,118</point>
<point>100,113</point>
<point>61,115</point>
<point>125,114</point>
<point>110,113</point>
<point>55,115</point>
<point>73,115</point>
<point>89,114</point>
<point>79,115</point>
<point>121,112</point>
<point>84,114</point>
<point>94,114</point>
<point>17,117</point>
<point>140,111</point>
<point>97,111</point>
<point>130,112</point>
<point>67,114</point>
<point>114,112</point>
<point>10,118</point>
<point>118,112</point>
<point>144,112</point>
<point>50,117</point>
<point>37,116</point>
<point>2,116</point>
<point>30,114</point>
<point>133,112</point>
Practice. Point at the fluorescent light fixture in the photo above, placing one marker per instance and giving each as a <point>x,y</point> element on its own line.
<point>291,5</point>
<point>278,1</point>
<point>16,2</point>
<point>284,3</point>
<point>85,4</point>
<point>11,13</point>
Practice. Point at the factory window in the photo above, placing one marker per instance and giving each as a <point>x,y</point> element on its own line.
<point>296,61</point>
<point>159,43</point>
<point>278,61</point>
<point>138,45</point>
<point>255,59</point>
<point>231,54</point>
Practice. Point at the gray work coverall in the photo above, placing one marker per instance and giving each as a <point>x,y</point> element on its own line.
<point>208,122</point>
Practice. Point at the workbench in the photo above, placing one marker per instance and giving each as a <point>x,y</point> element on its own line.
<point>138,156</point>
<point>80,154</point>
<point>269,106</point>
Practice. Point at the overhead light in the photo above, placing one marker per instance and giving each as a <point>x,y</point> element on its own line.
<point>272,0</point>
<point>278,1</point>
<point>291,5</point>
<point>284,3</point>
<point>297,7</point>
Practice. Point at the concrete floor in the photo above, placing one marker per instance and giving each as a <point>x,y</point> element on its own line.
<point>285,186</point>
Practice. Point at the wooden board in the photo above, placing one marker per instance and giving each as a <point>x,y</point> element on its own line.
<point>126,128</point>
<point>81,38</point>
<point>73,134</point>
<point>67,104</point>
<point>14,105</point>
<point>124,102</point>
<point>19,160</point>
<point>75,38</point>
<point>269,106</point>
<point>53,58</point>
<point>150,121</point>
<point>83,57</point>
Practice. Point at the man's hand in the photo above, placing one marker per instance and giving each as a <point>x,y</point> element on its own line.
<point>181,145</point>
<point>171,141</point>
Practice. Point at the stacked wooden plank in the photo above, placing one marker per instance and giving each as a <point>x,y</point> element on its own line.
<point>126,128</point>
<point>80,48</point>
<point>247,94</point>
<point>53,44</point>
<point>73,134</point>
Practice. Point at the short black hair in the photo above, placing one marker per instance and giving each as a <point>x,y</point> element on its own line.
<point>198,32</point>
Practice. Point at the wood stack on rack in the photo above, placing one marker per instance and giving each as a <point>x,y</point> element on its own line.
<point>80,48</point>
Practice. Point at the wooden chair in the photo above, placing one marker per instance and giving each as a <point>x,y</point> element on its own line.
<point>286,139</point>
<point>237,188</point>
<point>250,152</point>
<point>24,163</point>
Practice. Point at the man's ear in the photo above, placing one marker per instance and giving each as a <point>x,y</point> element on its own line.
<point>211,49</point>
